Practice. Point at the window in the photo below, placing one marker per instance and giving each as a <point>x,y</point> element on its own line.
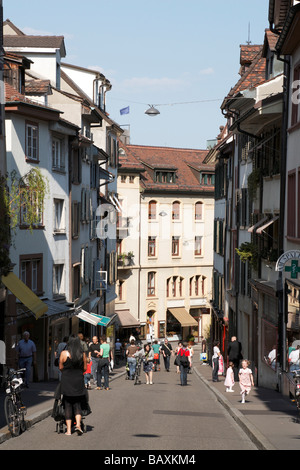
<point>176,210</point>
<point>295,97</point>
<point>197,286</point>
<point>198,246</point>
<point>58,279</point>
<point>165,177</point>
<point>151,246</point>
<point>31,210</point>
<point>76,166</point>
<point>291,204</point>
<point>58,157</point>
<point>131,179</point>
<point>31,272</point>
<point>76,281</point>
<point>198,211</point>
<point>174,286</point>
<point>151,284</point>
<point>207,179</point>
<point>175,246</point>
<point>59,219</point>
<point>121,290</point>
<point>123,178</point>
<point>32,142</point>
<point>152,210</point>
<point>75,219</point>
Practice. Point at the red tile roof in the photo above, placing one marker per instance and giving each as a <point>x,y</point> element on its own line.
<point>253,76</point>
<point>187,163</point>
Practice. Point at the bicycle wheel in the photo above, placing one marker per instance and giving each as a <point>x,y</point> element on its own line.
<point>12,417</point>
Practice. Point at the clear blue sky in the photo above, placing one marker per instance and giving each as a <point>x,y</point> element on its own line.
<point>160,52</point>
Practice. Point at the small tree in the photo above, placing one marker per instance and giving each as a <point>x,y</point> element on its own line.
<point>18,195</point>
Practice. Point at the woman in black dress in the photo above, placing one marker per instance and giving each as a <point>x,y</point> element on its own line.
<point>72,364</point>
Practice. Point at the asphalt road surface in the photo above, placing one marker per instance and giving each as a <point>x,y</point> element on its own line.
<point>164,416</point>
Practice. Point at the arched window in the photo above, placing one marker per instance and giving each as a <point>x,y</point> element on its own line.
<point>152,210</point>
<point>176,210</point>
<point>198,211</point>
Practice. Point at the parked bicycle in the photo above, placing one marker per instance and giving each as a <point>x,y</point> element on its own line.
<point>14,409</point>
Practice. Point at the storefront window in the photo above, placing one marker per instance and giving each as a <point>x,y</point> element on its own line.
<point>269,344</point>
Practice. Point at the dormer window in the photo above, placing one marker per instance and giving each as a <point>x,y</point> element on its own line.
<point>165,176</point>
<point>207,179</point>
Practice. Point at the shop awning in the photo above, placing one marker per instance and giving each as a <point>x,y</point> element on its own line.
<point>94,319</point>
<point>254,227</point>
<point>183,316</point>
<point>127,320</point>
<point>24,294</point>
<point>55,308</point>
<point>263,227</point>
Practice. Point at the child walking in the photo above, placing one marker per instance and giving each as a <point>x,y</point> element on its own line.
<point>246,379</point>
<point>229,380</point>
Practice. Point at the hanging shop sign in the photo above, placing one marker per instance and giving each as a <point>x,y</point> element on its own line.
<point>294,268</point>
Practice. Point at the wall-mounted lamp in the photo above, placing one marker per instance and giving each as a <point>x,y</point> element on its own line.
<point>162,214</point>
<point>152,111</point>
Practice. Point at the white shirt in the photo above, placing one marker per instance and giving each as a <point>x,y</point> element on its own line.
<point>294,356</point>
<point>216,352</point>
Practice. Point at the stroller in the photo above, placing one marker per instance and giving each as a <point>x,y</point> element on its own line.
<point>58,411</point>
<point>137,373</point>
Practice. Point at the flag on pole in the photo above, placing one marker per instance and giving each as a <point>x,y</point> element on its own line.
<point>124,110</point>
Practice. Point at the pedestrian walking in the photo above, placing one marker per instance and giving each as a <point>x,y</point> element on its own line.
<point>156,350</point>
<point>215,361</point>
<point>87,375</point>
<point>118,351</point>
<point>167,352</point>
<point>229,379</point>
<point>177,360</point>
<point>191,350</point>
<point>185,362</point>
<point>60,348</point>
<point>94,355</point>
<point>148,357</point>
<point>73,363</point>
<point>103,369</point>
<point>26,355</point>
<point>131,359</point>
<point>83,343</point>
<point>246,379</point>
<point>235,355</point>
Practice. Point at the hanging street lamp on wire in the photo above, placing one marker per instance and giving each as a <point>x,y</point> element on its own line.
<point>152,111</point>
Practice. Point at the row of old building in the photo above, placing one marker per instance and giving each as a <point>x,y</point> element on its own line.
<point>103,236</point>
<point>257,212</point>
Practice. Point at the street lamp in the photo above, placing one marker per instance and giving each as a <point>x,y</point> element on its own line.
<point>152,111</point>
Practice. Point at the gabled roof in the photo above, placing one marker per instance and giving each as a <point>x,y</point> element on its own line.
<point>14,29</point>
<point>45,42</point>
<point>37,87</point>
<point>253,76</point>
<point>78,92</point>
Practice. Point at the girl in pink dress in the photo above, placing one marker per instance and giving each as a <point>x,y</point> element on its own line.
<point>246,379</point>
<point>229,380</point>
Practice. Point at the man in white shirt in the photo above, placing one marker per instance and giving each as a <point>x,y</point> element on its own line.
<point>294,359</point>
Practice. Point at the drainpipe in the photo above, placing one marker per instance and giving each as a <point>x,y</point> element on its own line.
<point>281,283</point>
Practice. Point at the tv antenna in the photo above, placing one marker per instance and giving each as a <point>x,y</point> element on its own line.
<point>248,42</point>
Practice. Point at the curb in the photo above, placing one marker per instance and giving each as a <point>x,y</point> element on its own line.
<point>40,415</point>
<point>253,433</point>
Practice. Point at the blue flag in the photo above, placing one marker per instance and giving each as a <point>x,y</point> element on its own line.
<point>124,110</point>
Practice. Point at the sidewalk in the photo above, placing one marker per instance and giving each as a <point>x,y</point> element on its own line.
<point>39,400</point>
<point>269,419</point>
